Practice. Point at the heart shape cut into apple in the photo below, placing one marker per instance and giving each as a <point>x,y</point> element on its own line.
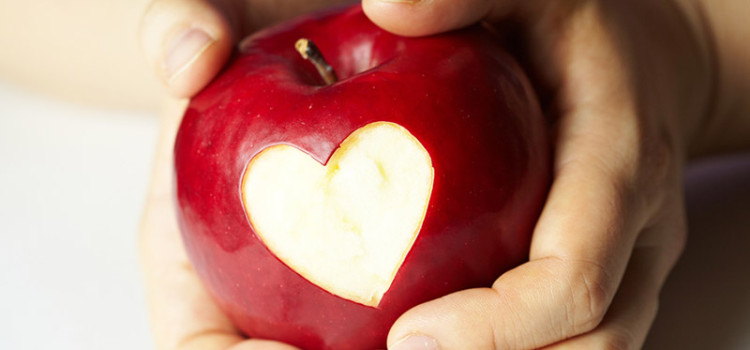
<point>346,226</point>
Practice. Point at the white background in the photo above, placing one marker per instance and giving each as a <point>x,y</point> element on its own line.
<point>72,185</point>
<point>73,181</point>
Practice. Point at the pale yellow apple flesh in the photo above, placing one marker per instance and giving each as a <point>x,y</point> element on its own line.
<point>346,226</point>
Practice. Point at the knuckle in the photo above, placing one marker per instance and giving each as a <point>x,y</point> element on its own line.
<point>590,296</point>
<point>660,159</point>
<point>658,165</point>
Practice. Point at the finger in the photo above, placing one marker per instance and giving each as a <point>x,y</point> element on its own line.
<point>425,17</point>
<point>183,316</point>
<point>579,253</point>
<point>560,296</point>
<point>186,42</point>
<point>584,238</point>
<point>632,312</point>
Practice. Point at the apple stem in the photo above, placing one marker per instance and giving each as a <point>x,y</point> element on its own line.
<point>309,51</point>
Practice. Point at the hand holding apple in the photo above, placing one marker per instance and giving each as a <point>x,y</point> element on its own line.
<point>614,75</point>
<point>317,211</point>
<point>585,78</point>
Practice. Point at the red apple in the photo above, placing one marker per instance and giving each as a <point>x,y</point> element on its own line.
<point>318,213</point>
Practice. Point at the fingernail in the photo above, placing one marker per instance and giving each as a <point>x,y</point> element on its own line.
<point>184,49</point>
<point>416,342</point>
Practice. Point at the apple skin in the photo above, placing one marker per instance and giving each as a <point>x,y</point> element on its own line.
<point>460,94</point>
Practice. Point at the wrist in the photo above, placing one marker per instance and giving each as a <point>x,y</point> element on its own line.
<point>672,77</point>
<point>704,79</point>
<point>727,127</point>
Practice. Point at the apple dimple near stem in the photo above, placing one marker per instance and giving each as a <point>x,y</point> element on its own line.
<point>309,51</point>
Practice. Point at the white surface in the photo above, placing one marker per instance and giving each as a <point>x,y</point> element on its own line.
<point>72,185</point>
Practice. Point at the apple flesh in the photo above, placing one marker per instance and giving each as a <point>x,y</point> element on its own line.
<point>348,225</point>
<point>316,213</point>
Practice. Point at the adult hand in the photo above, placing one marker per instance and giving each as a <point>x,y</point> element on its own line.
<point>187,42</point>
<point>628,84</point>
<point>183,315</point>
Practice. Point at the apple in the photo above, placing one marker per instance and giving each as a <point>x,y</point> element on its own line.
<point>320,199</point>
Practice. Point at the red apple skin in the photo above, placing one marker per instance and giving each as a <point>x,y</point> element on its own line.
<point>460,94</point>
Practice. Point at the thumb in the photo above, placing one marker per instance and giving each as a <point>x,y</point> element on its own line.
<point>186,42</point>
<point>425,17</point>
